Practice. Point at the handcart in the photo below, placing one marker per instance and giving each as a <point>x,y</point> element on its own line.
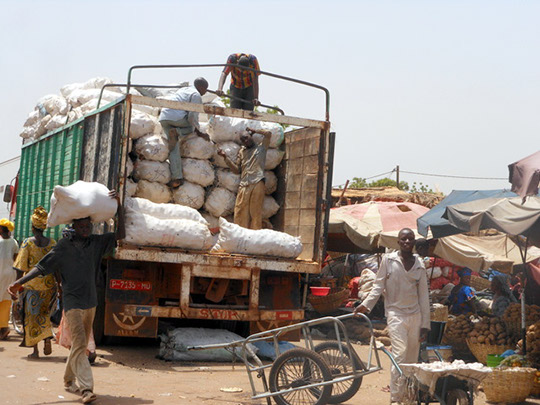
<point>327,373</point>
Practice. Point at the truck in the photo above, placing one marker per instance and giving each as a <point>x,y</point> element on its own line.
<point>138,285</point>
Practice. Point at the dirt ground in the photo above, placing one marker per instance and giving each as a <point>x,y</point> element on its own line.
<point>130,374</point>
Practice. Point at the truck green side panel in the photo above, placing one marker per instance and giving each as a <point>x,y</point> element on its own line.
<point>88,149</point>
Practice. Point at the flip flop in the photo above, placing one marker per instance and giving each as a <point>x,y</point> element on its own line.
<point>385,389</point>
<point>48,347</point>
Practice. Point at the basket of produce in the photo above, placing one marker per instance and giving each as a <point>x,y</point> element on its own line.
<point>489,337</point>
<point>328,303</point>
<point>536,385</point>
<point>439,313</point>
<point>482,350</point>
<point>480,283</point>
<point>456,331</point>
<point>513,384</point>
<point>533,344</point>
<point>512,317</point>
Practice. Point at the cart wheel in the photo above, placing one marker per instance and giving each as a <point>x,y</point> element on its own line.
<point>457,397</point>
<point>15,316</point>
<point>300,368</point>
<point>341,364</point>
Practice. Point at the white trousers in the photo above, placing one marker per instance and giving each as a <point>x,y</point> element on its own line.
<point>404,331</point>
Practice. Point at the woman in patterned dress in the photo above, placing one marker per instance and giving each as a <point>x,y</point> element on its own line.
<point>39,293</point>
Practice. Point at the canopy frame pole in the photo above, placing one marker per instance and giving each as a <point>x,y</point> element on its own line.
<point>523,253</point>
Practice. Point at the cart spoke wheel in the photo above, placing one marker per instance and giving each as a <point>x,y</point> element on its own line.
<point>340,364</point>
<point>457,397</point>
<point>297,368</point>
<point>15,316</point>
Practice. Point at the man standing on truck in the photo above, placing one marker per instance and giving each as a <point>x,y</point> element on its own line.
<point>402,277</point>
<point>250,165</point>
<point>178,123</point>
<point>77,258</point>
<point>244,82</point>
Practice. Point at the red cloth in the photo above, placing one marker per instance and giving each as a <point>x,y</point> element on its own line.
<point>438,283</point>
<point>353,287</point>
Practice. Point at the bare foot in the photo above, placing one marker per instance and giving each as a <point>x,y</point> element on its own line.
<point>4,333</point>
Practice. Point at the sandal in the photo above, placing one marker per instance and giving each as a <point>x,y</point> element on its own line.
<point>385,389</point>
<point>48,347</point>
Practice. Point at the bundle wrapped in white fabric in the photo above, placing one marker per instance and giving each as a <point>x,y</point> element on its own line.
<point>220,202</point>
<point>36,130</point>
<point>32,118</point>
<point>223,129</point>
<point>273,158</point>
<point>94,83</point>
<point>75,114</point>
<point>143,229</point>
<point>228,180</point>
<point>235,239</point>
<point>152,171</point>
<point>82,96</point>
<point>213,222</point>
<point>193,146</point>
<point>270,182</point>
<point>164,211</point>
<point>231,149</point>
<point>270,207</point>
<point>189,194</point>
<point>129,167</point>
<point>152,147</point>
<point>81,200</point>
<point>53,104</point>
<point>155,192</point>
<point>56,122</point>
<point>198,171</point>
<point>141,124</point>
<point>131,187</point>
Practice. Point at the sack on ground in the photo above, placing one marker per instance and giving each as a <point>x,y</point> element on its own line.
<point>235,239</point>
<point>190,195</point>
<point>220,202</point>
<point>228,180</point>
<point>193,146</point>
<point>81,200</point>
<point>143,229</point>
<point>152,147</point>
<point>155,192</point>
<point>198,171</point>
<point>152,171</point>
<point>273,158</point>
<point>164,211</point>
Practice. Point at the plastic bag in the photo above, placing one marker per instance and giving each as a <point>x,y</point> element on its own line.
<point>164,211</point>
<point>198,171</point>
<point>155,192</point>
<point>152,171</point>
<point>193,146</point>
<point>81,200</point>
<point>228,180</point>
<point>152,147</point>
<point>235,239</point>
<point>220,202</point>
<point>190,195</point>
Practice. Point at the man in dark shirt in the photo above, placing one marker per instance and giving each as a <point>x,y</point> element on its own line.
<point>244,83</point>
<point>76,258</point>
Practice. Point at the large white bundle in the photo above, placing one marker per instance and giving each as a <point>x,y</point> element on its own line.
<point>81,96</point>
<point>141,124</point>
<point>270,182</point>
<point>220,202</point>
<point>33,118</point>
<point>53,104</point>
<point>81,200</point>
<point>131,187</point>
<point>152,171</point>
<point>270,207</point>
<point>152,147</point>
<point>193,146</point>
<point>75,114</point>
<point>228,180</point>
<point>164,211</point>
<point>273,158</point>
<point>129,167</point>
<point>235,239</point>
<point>198,171</point>
<point>231,149</point>
<point>143,229</point>
<point>223,129</point>
<point>56,122</point>
<point>36,130</point>
<point>155,192</point>
<point>189,194</point>
<point>213,222</point>
<point>94,83</point>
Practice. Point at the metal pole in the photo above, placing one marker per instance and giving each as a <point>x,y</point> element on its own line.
<point>397,176</point>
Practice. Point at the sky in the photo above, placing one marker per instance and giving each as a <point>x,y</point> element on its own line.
<point>439,87</point>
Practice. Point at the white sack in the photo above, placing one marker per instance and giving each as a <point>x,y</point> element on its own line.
<point>213,222</point>
<point>220,202</point>
<point>434,272</point>
<point>141,124</point>
<point>94,83</point>
<point>82,96</point>
<point>228,180</point>
<point>56,122</point>
<point>36,130</point>
<point>131,187</point>
<point>75,114</point>
<point>231,149</point>
<point>164,211</point>
<point>33,118</point>
<point>143,229</point>
<point>270,182</point>
<point>152,147</point>
<point>53,104</point>
<point>190,195</point>
<point>155,192</point>
<point>129,167</point>
<point>198,171</point>
<point>223,129</point>
<point>270,207</point>
<point>273,158</point>
<point>193,146</point>
<point>235,239</point>
<point>152,171</point>
<point>81,200</point>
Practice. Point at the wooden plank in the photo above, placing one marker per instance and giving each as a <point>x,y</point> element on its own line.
<point>184,286</point>
<point>222,272</point>
<point>254,289</point>
<point>230,112</point>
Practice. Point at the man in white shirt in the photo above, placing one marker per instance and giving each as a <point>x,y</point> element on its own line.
<point>179,123</point>
<point>402,278</point>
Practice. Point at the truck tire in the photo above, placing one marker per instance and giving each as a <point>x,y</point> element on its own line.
<point>298,368</point>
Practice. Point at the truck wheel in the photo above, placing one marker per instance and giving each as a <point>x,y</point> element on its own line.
<point>298,368</point>
<point>340,364</point>
<point>457,397</point>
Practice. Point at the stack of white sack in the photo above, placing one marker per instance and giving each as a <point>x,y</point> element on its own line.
<point>81,200</point>
<point>365,284</point>
<point>235,239</point>
<point>171,225</point>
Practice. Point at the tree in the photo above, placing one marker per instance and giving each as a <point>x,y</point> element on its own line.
<point>358,182</point>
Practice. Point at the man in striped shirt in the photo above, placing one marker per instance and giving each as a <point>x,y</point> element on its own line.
<point>244,82</point>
